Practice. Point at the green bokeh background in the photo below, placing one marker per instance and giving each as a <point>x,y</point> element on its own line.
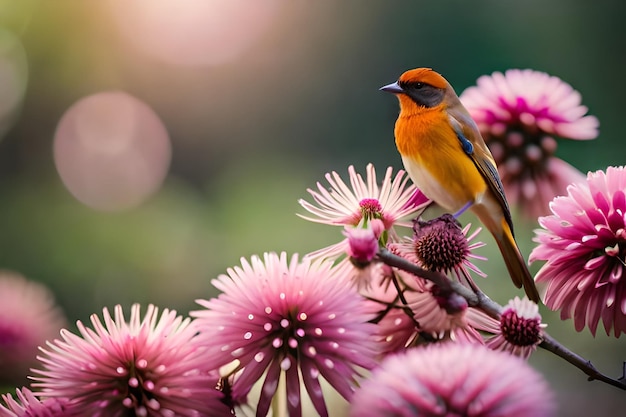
<point>250,135</point>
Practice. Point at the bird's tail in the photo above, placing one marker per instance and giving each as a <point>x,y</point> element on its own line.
<point>515,262</point>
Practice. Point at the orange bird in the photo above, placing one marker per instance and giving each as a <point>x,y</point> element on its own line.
<point>447,158</point>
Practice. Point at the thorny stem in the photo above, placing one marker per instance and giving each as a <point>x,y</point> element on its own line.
<point>493,309</point>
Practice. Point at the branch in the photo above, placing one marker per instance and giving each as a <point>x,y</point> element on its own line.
<point>484,303</point>
<point>478,300</point>
<point>552,345</point>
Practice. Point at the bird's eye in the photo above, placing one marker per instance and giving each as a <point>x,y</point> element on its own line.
<point>418,86</point>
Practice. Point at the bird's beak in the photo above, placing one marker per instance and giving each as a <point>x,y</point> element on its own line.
<point>392,88</point>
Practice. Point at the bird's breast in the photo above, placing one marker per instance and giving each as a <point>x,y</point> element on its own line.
<point>430,184</point>
<point>435,161</point>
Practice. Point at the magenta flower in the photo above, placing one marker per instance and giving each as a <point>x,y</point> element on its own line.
<point>584,244</point>
<point>392,201</point>
<point>451,379</point>
<point>28,316</point>
<point>441,245</point>
<point>278,316</point>
<point>364,205</point>
<point>361,247</point>
<point>518,114</point>
<point>27,405</point>
<point>363,242</point>
<point>144,367</point>
<point>441,314</point>
<point>395,328</point>
<point>520,328</point>
<point>436,313</point>
<point>428,312</point>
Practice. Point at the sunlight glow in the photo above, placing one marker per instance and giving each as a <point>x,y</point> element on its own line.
<point>194,32</point>
<point>111,150</point>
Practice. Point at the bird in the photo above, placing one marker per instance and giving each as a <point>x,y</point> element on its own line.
<point>446,157</point>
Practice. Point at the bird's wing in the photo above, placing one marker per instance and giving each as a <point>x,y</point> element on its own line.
<point>474,146</point>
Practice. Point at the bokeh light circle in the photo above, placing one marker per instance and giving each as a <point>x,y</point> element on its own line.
<point>194,32</point>
<point>111,150</point>
<point>13,78</point>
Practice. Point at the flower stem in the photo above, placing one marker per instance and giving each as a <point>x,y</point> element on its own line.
<point>484,303</point>
<point>279,402</point>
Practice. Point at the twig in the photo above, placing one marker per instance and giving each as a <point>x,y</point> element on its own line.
<point>484,303</point>
<point>479,300</point>
<point>407,310</point>
<point>552,345</point>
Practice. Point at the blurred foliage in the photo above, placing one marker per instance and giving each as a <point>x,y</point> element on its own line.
<point>250,135</point>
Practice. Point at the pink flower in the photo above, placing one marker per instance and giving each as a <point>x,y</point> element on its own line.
<point>278,316</point>
<point>441,245</point>
<point>147,367</point>
<point>27,405</point>
<point>450,379</point>
<point>363,242</point>
<point>396,328</point>
<point>584,244</point>
<point>28,316</point>
<point>356,251</point>
<point>364,205</point>
<point>361,247</point>
<point>434,311</point>
<point>518,114</point>
<point>393,200</point>
<point>429,313</point>
<point>519,330</point>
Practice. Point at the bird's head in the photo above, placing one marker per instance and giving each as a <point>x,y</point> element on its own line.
<point>422,86</point>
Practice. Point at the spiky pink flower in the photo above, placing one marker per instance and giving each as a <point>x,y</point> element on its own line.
<point>28,317</point>
<point>27,405</point>
<point>391,201</point>
<point>279,316</point>
<point>451,379</point>
<point>584,244</point>
<point>425,313</point>
<point>144,367</point>
<point>363,205</point>
<point>439,245</point>
<point>396,329</point>
<point>434,311</point>
<point>518,114</point>
<point>519,330</point>
<point>442,245</point>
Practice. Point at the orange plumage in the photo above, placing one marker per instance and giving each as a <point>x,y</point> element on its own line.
<point>447,158</point>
